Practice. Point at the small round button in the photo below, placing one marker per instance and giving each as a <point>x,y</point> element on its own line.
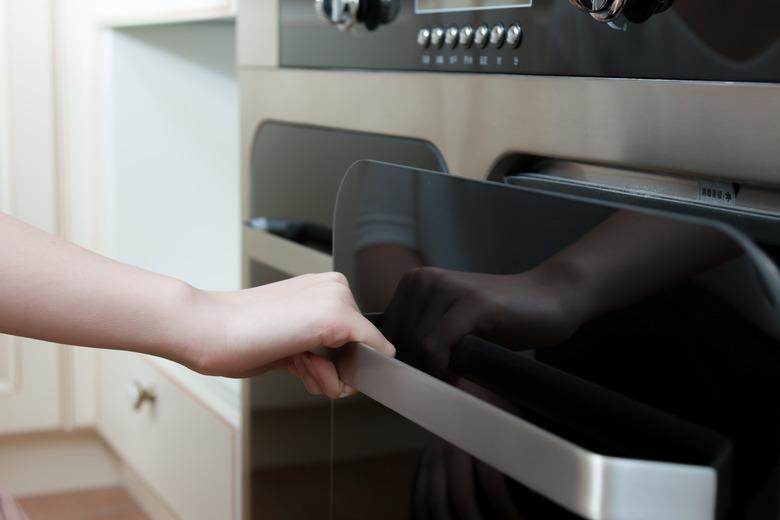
<point>481,35</point>
<point>437,36</point>
<point>451,37</point>
<point>514,35</point>
<point>498,36</point>
<point>424,37</point>
<point>466,38</point>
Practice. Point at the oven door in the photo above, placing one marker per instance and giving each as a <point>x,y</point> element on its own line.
<point>563,357</point>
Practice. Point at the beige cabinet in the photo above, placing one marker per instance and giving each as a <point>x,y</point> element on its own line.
<point>179,446</point>
<point>172,206</point>
<point>125,12</point>
<point>70,139</point>
<point>31,372</point>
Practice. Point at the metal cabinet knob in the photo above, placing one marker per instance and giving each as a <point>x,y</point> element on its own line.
<point>139,394</point>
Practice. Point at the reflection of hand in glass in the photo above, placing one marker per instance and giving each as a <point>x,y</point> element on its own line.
<point>621,261</point>
<point>433,308</point>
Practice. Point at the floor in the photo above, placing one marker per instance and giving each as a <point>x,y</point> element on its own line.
<point>95,504</point>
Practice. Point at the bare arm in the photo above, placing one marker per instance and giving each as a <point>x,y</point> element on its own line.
<point>56,291</point>
<point>625,259</point>
<point>633,255</point>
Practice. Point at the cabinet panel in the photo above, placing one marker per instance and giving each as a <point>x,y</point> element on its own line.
<point>121,12</point>
<point>30,371</point>
<point>179,446</point>
<point>30,390</point>
<point>9,368</point>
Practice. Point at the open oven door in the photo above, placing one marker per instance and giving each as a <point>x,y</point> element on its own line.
<point>620,362</point>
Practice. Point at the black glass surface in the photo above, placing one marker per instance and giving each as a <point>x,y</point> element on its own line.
<point>632,333</point>
<point>296,170</point>
<point>691,39</point>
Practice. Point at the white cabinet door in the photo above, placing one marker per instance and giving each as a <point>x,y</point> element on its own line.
<point>30,372</point>
<point>29,385</point>
<point>179,446</point>
<point>123,12</point>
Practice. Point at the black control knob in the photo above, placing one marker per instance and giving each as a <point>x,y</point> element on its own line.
<point>346,13</point>
<point>636,11</point>
<point>373,13</point>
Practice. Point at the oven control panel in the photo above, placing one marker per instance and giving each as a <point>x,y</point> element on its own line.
<point>654,39</point>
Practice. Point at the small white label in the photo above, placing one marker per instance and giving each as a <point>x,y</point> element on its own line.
<point>483,60</point>
<point>499,60</point>
<point>439,60</point>
<point>720,193</point>
<point>468,60</point>
<point>426,59</point>
<point>453,60</point>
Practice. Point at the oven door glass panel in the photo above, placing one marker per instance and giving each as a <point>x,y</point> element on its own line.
<point>570,358</point>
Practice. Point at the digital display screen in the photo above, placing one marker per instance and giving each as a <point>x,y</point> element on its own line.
<point>442,6</point>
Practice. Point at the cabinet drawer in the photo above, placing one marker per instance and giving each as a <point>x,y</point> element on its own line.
<point>183,450</point>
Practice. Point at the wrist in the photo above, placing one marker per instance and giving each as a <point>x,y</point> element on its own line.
<point>198,328</point>
<point>571,284</point>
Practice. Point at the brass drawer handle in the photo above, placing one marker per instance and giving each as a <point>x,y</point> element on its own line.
<point>139,394</point>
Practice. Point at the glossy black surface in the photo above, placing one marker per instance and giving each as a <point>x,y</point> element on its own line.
<point>631,333</point>
<point>296,170</point>
<point>693,39</point>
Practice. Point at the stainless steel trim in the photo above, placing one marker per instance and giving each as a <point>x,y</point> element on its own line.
<point>709,130</point>
<point>591,485</point>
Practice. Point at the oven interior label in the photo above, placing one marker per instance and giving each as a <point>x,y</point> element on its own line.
<point>720,193</point>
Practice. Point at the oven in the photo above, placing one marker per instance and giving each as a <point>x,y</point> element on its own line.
<point>564,214</point>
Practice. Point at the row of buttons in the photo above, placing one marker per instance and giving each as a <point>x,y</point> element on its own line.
<point>467,36</point>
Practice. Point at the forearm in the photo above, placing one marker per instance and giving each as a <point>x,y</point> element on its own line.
<point>378,269</point>
<point>633,255</point>
<point>56,291</point>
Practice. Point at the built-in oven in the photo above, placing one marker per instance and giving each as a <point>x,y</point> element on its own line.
<point>564,214</point>
<point>571,356</point>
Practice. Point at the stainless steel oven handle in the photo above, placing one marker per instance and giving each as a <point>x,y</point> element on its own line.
<point>594,486</point>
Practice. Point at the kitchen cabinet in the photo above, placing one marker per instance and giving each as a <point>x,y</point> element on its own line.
<point>31,372</point>
<point>178,445</point>
<point>136,12</point>
<point>125,141</point>
<point>170,174</point>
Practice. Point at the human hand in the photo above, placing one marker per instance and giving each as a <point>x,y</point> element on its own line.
<point>432,309</point>
<point>276,326</point>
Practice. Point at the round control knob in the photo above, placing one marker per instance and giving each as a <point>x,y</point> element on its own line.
<point>346,13</point>
<point>342,13</point>
<point>601,10</point>
<point>514,35</point>
<point>466,37</point>
<point>437,36</point>
<point>481,36</point>
<point>424,37</point>
<point>451,37</point>
<point>498,36</point>
<point>590,6</point>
